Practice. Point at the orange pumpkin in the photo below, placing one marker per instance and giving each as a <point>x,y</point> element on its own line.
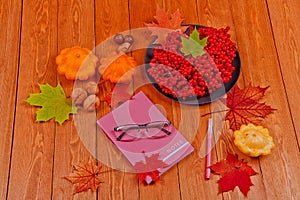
<point>76,63</point>
<point>117,68</point>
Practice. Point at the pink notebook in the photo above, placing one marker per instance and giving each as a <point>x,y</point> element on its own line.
<point>146,135</point>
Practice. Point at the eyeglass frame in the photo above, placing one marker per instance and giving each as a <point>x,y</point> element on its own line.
<point>142,126</point>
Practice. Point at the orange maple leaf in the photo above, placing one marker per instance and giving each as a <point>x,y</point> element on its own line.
<point>86,177</point>
<point>164,22</point>
<point>117,95</point>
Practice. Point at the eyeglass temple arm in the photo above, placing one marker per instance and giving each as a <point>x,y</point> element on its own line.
<point>166,131</point>
<point>121,135</point>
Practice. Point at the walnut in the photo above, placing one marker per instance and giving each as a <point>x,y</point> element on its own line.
<point>78,96</point>
<point>91,103</point>
<point>92,87</point>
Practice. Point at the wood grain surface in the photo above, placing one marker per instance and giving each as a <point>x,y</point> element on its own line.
<point>262,68</point>
<point>33,143</point>
<point>10,17</point>
<point>285,26</point>
<point>35,156</point>
<point>75,27</point>
<point>158,191</point>
<point>117,184</point>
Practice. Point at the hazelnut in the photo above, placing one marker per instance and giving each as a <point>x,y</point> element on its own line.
<point>118,38</point>
<point>129,39</point>
<point>78,96</point>
<point>91,103</point>
<point>92,87</point>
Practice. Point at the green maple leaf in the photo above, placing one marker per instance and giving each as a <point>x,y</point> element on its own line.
<point>193,45</point>
<point>54,103</point>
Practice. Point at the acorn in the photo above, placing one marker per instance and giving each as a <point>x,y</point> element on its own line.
<point>125,47</point>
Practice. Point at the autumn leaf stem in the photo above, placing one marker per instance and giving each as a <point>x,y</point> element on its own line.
<point>218,111</point>
<point>106,171</point>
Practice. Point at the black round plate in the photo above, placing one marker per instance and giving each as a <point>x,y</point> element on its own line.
<point>217,94</point>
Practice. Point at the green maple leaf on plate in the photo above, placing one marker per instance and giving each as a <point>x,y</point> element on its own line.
<point>54,103</point>
<point>193,45</point>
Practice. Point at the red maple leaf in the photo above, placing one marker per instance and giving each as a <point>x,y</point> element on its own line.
<point>244,106</point>
<point>86,177</point>
<point>153,174</point>
<point>164,22</point>
<point>149,167</point>
<point>233,173</point>
<point>117,95</point>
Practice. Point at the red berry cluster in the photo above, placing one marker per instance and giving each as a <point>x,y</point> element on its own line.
<point>184,77</point>
<point>221,49</point>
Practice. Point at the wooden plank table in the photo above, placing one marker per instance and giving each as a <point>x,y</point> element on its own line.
<point>35,156</point>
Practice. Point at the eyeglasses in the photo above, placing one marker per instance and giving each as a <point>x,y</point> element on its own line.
<point>151,130</point>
